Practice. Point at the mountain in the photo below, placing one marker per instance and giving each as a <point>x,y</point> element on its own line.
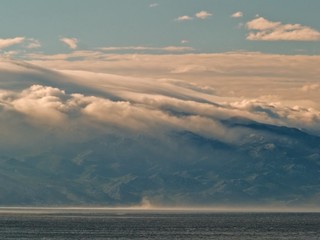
<point>273,165</point>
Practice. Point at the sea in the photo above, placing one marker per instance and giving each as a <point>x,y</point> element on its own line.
<point>138,224</point>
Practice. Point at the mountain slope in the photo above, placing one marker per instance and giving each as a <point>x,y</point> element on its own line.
<point>202,171</point>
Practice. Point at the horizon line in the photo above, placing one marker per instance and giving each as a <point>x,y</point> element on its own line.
<point>137,208</point>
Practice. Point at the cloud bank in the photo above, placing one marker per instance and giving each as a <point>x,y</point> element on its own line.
<point>155,106</point>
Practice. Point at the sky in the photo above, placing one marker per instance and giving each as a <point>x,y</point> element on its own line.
<point>204,26</point>
<point>76,71</point>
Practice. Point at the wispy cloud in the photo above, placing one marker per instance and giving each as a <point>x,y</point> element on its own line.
<point>145,48</point>
<point>177,49</point>
<point>203,14</point>
<point>237,15</point>
<point>184,18</point>
<point>33,43</point>
<point>70,42</point>
<point>7,42</point>
<point>152,5</point>
<point>262,29</point>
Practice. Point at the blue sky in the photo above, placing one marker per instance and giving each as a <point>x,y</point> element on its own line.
<point>122,23</point>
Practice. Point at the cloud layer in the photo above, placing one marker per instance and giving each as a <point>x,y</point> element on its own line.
<point>234,74</point>
<point>151,106</point>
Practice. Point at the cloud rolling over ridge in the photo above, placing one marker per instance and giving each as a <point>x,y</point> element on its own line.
<point>138,127</point>
<point>145,104</point>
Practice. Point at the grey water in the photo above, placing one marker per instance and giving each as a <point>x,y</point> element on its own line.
<point>117,224</point>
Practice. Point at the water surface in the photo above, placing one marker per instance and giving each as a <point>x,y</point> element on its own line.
<point>127,224</point>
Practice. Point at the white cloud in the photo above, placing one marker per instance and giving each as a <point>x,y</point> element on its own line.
<point>7,42</point>
<point>148,112</point>
<point>41,102</point>
<point>152,5</point>
<point>261,23</point>
<point>237,15</point>
<point>70,42</point>
<point>262,29</point>
<point>33,43</point>
<point>184,18</point>
<point>203,14</point>
<point>280,114</point>
<point>199,15</point>
<point>184,41</point>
